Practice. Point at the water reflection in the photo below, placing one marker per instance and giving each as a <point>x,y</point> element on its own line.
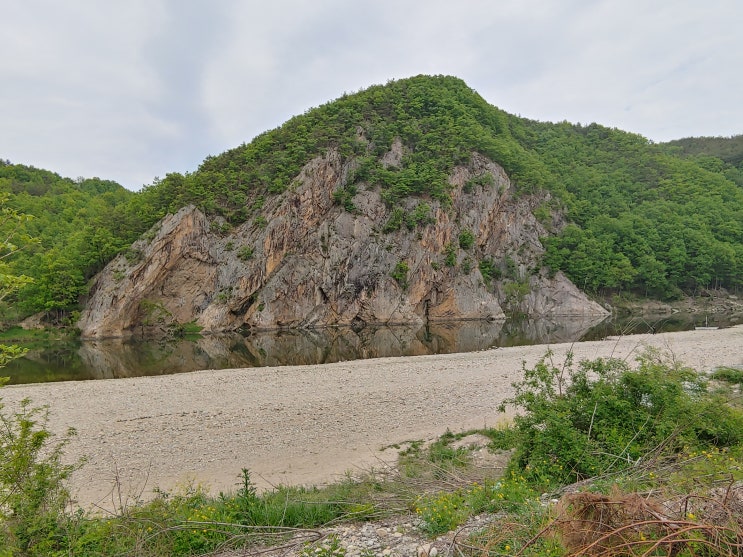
<point>117,358</point>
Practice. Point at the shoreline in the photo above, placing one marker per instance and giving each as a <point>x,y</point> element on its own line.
<point>301,425</point>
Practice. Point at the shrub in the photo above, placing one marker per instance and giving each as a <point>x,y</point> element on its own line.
<point>485,179</point>
<point>451,255</point>
<point>33,495</point>
<point>506,494</point>
<point>394,222</point>
<point>344,196</point>
<point>400,274</point>
<point>515,292</point>
<point>466,265</point>
<point>245,253</point>
<point>441,512</point>
<point>420,216</point>
<point>729,375</point>
<point>466,239</point>
<point>489,271</point>
<point>604,416</point>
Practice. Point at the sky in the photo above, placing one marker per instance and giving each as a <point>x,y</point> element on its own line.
<point>132,90</point>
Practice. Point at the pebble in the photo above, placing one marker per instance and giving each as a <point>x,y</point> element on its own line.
<point>396,536</point>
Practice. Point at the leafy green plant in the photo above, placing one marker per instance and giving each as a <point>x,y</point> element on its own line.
<point>330,547</point>
<point>507,494</point>
<point>466,239</point>
<point>730,375</point>
<point>190,330</point>
<point>245,253</point>
<point>400,274</point>
<point>394,221</point>
<point>484,179</point>
<point>602,416</point>
<point>344,196</point>
<point>419,216</point>
<point>450,253</point>
<point>441,512</point>
<point>33,492</point>
<point>154,313</point>
<point>515,292</point>
<point>466,265</point>
<point>223,296</point>
<point>489,271</point>
<point>133,255</point>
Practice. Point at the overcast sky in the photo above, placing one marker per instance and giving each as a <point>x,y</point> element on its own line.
<point>129,90</point>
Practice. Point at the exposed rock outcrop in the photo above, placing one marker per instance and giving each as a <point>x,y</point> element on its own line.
<point>305,261</point>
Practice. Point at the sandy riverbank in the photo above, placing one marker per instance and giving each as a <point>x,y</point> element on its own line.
<point>304,424</point>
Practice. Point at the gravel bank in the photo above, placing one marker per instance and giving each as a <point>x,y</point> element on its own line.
<point>303,424</point>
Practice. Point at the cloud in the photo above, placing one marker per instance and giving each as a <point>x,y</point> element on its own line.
<point>130,91</point>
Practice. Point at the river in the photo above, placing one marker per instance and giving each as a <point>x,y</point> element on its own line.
<point>115,358</point>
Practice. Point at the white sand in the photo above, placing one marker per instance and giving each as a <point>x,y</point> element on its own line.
<point>303,424</point>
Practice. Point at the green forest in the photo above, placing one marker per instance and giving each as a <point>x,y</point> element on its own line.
<point>659,220</point>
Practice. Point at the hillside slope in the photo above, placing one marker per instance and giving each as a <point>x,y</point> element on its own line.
<point>418,200</point>
<point>607,208</point>
<point>309,262</point>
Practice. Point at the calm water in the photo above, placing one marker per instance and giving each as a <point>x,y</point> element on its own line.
<point>63,361</point>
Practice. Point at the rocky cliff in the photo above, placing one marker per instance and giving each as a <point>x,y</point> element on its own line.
<point>307,260</point>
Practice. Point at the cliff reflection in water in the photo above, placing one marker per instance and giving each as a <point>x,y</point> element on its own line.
<point>108,359</point>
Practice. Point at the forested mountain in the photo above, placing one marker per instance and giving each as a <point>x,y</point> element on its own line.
<point>726,149</point>
<point>79,226</point>
<point>622,213</point>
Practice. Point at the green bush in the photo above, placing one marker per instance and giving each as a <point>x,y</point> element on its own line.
<point>603,416</point>
<point>485,179</point>
<point>450,252</point>
<point>344,196</point>
<point>395,220</point>
<point>245,253</point>
<point>420,216</point>
<point>506,494</point>
<point>729,375</point>
<point>441,512</point>
<point>466,239</point>
<point>33,493</point>
<point>489,271</point>
<point>400,274</point>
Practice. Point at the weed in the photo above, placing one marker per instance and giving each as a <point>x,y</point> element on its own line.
<point>330,547</point>
<point>441,512</point>
<point>730,375</point>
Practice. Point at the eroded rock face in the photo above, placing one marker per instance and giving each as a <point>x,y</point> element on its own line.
<point>311,263</point>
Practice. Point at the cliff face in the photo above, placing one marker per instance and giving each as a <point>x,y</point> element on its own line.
<point>308,262</point>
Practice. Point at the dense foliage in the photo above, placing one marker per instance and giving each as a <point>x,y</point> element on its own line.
<point>640,218</point>
<point>654,219</point>
<point>706,149</point>
<point>602,416</point>
<point>79,226</point>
